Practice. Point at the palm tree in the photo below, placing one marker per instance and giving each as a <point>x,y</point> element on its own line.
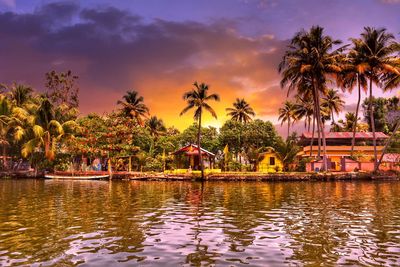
<point>156,128</point>
<point>304,109</point>
<point>20,94</point>
<point>241,111</point>
<point>197,98</point>
<point>311,58</point>
<point>333,102</point>
<point>5,118</point>
<point>133,106</point>
<point>287,114</point>
<point>353,73</point>
<point>46,132</point>
<point>376,49</point>
<point>287,150</point>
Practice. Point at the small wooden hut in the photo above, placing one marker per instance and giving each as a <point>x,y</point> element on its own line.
<point>187,157</point>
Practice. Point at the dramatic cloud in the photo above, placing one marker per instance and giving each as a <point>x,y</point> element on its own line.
<point>161,49</point>
<point>113,51</point>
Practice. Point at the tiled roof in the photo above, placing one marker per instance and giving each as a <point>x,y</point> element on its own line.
<point>347,135</point>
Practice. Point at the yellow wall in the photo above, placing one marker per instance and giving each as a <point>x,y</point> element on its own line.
<point>264,164</point>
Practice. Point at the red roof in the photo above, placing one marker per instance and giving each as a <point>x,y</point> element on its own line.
<point>347,135</point>
<point>192,149</point>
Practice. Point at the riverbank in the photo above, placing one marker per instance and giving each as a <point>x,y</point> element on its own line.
<point>223,176</point>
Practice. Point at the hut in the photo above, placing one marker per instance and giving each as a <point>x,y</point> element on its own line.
<point>187,157</point>
<point>269,162</point>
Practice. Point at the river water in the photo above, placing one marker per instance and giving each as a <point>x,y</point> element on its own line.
<point>142,223</point>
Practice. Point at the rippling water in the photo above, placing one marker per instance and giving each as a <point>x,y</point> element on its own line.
<point>101,223</point>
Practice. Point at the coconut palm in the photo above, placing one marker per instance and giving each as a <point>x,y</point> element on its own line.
<point>352,74</point>
<point>5,118</point>
<point>46,132</point>
<point>333,102</point>
<point>377,48</point>
<point>21,95</point>
<point>304,109</point>
<point>287,114</point>
<point>311,57</point>
<point>241,111</point>
<point>197,98</point>
<point>156,128</point>
<point>133,106</point>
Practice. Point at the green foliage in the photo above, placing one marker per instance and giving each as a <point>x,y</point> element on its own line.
<point>381,106</point>
<point>231,134</point>
<point>209,139</point>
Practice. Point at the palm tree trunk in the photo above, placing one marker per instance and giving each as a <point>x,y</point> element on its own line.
<point>5,165</point>
<point>288,128</point>
<point>353,140</point>
<point>199,148</point>
<point>387,144</point>
<point>320,129</point>
<point>317,117</point>
<point>371,117</point>
<point>313,133</point>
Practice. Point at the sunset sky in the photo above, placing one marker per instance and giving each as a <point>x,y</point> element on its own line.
<point>160,47</point>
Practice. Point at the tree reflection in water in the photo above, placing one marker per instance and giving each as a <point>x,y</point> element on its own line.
<point>189,223</point>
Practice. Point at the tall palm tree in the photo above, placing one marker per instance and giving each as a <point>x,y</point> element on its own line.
<point>333,102</point>
<point>352,74</point>
<point>377,48</point>
<point>197,98</point>
<point>156,128</point>
<point>287,114</point>
<point>311,57</point>
<point>133,106</point>
<point>241,111</point>
<point>46,132</point>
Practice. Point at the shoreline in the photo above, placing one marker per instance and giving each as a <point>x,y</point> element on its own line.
<point>224,176</point>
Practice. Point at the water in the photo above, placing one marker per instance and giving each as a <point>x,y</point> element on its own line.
<point>120,223</point>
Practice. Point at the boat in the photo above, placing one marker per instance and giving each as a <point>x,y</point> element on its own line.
<point>78,177</point>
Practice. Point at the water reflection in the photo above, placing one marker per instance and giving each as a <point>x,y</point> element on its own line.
<point>183,223</point>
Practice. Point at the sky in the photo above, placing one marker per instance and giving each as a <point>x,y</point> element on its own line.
<point>160,47</point>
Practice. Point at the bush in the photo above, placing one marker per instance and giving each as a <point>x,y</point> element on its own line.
<point>153,165</point>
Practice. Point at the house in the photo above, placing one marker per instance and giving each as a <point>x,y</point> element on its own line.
<point>338,150</point>
<point>188,157</point>
<point>269,162</point>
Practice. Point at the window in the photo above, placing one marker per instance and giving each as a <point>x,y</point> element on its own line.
<point>272,161</point>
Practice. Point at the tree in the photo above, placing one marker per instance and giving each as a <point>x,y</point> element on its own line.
<point>156,128</point>
<point>5,118</point>
<point>311,59</point>
<point>133,106</point>
<point>62,88</point>
<point>287,114</point>
<point>304,109</point>
<point>354,72</point>
<point>287,150</point>
<point>197,98</point>
<point>241,111</point>
<point>231,134</point>
<point>46,132</point>
<point>333,102</point>
<point>21,95</point>
<point>376,51</point>
<point>380,109</point>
